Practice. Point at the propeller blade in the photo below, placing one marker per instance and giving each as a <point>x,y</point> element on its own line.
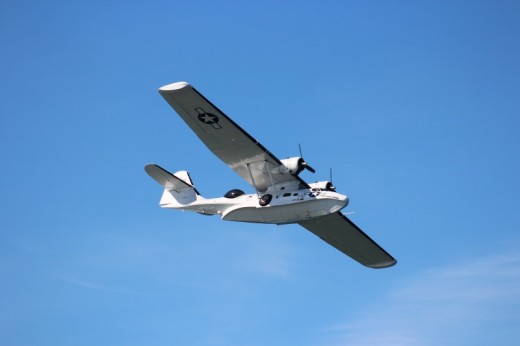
<point>332,187</point>
<point>304,163</point>
<point>309,168</point>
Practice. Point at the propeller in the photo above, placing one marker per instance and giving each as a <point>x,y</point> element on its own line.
<point>304,163</point>
<point>332,187</point>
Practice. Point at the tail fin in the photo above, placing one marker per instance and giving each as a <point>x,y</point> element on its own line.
<point>178,187</point>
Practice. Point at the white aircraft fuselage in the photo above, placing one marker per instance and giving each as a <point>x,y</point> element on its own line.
<point>288,207</point>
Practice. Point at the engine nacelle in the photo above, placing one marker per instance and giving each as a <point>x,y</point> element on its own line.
<point>292,165</point>
<point>323,185</point>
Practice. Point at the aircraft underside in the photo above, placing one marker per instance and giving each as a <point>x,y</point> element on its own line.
<point>291,208</point>
<point>288,213</point>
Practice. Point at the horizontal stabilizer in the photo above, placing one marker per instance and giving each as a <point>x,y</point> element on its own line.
<point>167,179</point>
<point>178,187</point>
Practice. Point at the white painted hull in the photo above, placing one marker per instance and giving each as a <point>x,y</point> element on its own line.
<point>293,207</point>
<point>287,213</point>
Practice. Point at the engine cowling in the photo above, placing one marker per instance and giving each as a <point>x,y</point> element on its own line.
<point>323,185</point>
<point>294,165</point>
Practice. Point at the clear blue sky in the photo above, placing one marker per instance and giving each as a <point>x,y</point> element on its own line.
<point>414,104</point>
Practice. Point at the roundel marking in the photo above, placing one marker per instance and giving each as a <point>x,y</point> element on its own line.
<point>208,118</point>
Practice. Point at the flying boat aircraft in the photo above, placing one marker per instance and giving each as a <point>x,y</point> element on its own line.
<point>282,196</point>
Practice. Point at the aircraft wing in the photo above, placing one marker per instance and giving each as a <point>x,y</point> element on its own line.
<point>337,230</point>
<point>238,149</point>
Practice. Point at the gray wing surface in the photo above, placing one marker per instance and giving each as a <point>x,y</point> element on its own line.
<point>228,141</point>
<point>337,230</point>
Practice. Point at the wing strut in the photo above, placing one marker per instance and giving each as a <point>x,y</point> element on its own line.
<point>266,166</point>
<point>253,179</point>
<point>271,179</point>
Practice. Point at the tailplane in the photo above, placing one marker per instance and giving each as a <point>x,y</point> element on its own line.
<point>178,187</point>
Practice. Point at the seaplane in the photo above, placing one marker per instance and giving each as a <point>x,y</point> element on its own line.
<point>281,197</point>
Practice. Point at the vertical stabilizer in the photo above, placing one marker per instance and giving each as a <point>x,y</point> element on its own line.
<point>178,188</point>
